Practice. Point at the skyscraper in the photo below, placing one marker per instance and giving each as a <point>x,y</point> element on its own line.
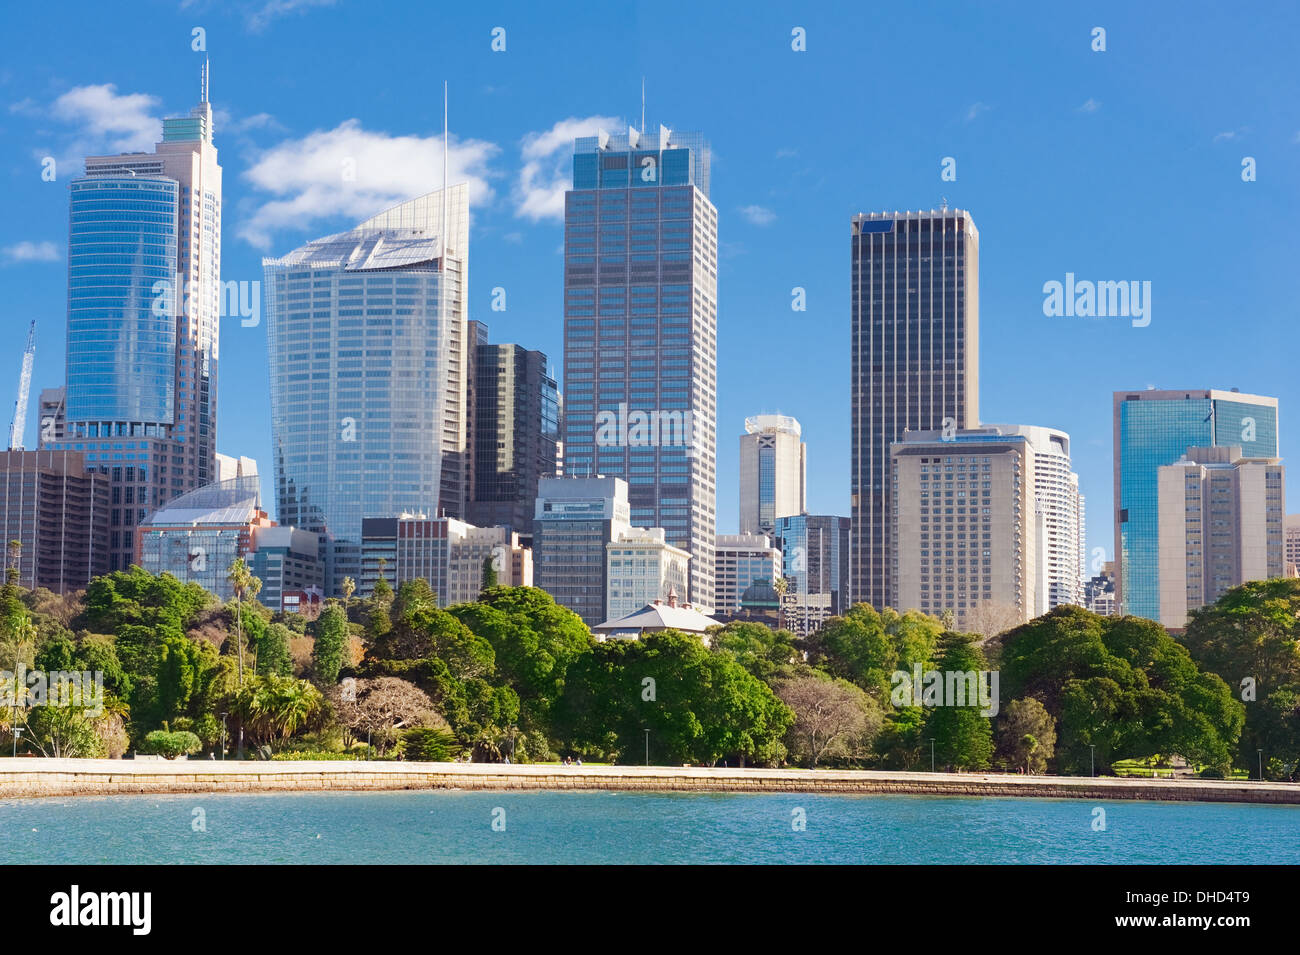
<point>515,431</point>
<point>640,332</point>
<point>144,290</point>
<point>914,359</point>
<point>814,554</point>
<point>773,465</point>
<point>576,517</point>
<point>367,332</point>
<point>1154,428</point>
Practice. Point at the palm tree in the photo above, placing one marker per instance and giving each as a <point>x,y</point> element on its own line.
<point>349,587</point>
<point>241,579</point>
<point>781,586</point>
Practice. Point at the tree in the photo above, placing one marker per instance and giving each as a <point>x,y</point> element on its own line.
<point>273,651</point>
<point>12,572</point>
<point>782,587</point>
<point>171,745</point>
<point>331,644</point>
<point>1026,735</point>
<point>762,651</point>
<point>384,705</point>
<point>277,707</point>
<point>832,718</point>
<point>989,618</point>
<point>62,732</point>
<point>962,735</point>
<point>489,574</point>
<point>241,579</point>
<point>349,587</point>
<point>866,647</point>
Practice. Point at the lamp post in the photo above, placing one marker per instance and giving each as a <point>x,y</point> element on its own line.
<point>18,731</point>
<point>223,737</point>
<point>1261,764</point>
<point>931,754</point>
<point>647,747</point>
<point>1092,757</point>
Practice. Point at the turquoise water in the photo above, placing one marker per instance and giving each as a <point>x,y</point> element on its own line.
<point>568,827</point>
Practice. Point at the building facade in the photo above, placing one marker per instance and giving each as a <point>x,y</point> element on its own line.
<point>450,554</point>
<point>367,334</point>
<point>773,466</point>
<point>1292,543</point>
<point>815,565</point>
<point>1151,429</point>
<point>575,519</point>
<point>144,299</point>
<point>516,421</point>
<point>1221,519</point>
<point>966,525</point>
<point>914,361</point>
<point>58,511</point>
<point>742,559</point>
<point>640,331</point>
<point>643,567</point>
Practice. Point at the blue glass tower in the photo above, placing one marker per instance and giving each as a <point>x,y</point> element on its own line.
<point>1155,428</point>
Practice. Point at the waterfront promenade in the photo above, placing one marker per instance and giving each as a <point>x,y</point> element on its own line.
<point>30,777</point>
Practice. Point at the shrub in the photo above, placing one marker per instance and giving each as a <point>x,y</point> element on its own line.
<point>429,745</point>
<point>172,744</point>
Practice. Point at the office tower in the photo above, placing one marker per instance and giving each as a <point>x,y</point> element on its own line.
<point>228,466</point>
<point>915,360</point>
<point>642,567</point>
<point>1059,512</point>
<point>574,520</point>
<point>57,509</point>
<point>52,419</point>
<point>1099,591</point>
<point>1292,544</point>
<point>516,415</point>
<point>287,562</point>
<point>450,554</point>
<point>144,291</point>
<point>967,531</point>
<point>640,331</point>
<point>1220,521</point>
<point>742,559</point>
<point>773,462</point>
<point>1154,428</point>
<point>815,564</point>
<point>368,381</point>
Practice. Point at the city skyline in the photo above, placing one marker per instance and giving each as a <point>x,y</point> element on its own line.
<point>1064,368</point>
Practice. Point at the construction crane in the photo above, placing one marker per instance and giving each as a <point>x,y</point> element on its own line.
<point>24,390</point>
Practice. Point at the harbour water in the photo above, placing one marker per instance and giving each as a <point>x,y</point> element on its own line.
<point>454,827</point>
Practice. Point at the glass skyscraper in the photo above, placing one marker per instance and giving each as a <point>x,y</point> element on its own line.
<point>144,289</point>
<point>1156,428</point>
<point>914,361</point>
<point>640,332</point>
<point>366,332</point>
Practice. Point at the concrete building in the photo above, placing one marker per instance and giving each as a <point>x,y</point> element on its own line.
<point>450,554</point>
<point>741,560</point>
<point>640,331</point>
<point>229,467</point>
<point>773,466</point>
<point>642,567</point>
<point>1292,543</point>
<point>367,335</point>
<point>58,511</point>
<point>287,561</point>
<point>52,416</point>
<point>516,410</point>
<point>1154,428</point>
<point>965,525</point>
<point>914,355</point>
<point>1099,591</point>
<point>815,564</point>
<point>144,299</point>
<point>575,519</point>
<point>1221,519</point>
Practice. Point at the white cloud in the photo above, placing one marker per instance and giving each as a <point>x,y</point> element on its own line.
<point>548,164</point>
<point>973,113</point>
<point>1090,105</point>
<point>349,171</point>
<point>758,215</point>
<point>260,17</point>
<point>31,252</point>
<point>1225,137</point>
<point>225,122</point>
<point>109,120</point>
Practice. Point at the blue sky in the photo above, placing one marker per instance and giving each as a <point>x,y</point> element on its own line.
<point>1116,165</point>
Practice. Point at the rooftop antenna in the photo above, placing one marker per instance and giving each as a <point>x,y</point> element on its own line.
<point>443,237</point>
<point>944,199</point>
<point>203,92</point>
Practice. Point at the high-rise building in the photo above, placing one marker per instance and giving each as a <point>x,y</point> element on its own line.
<point>741,560</point>
<point>1221,519</point>
<point>57,510</point>
<point>1292,543</point>
<point>450,554</point>
<point>773,465</point>
<point>640,332</point>
<point>144,293</point>
<point>1059,512</point>
<point>967,530</point>
<point>815,564</point>
<point>574,520</point>
<point>1099,591</point>
<point>642,567</point>
<point>52,418</point>
<point>1154,428</point>
<point>914,358</point>
<point>516,413</point>
<point>367,333</point>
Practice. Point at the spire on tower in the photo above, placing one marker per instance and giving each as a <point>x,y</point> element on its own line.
<point>203,92</point>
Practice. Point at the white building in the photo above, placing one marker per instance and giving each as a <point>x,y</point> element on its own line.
<point>773,463</point>
<point>741,559</point>
<point>229,466</point>
<point>643,567</point>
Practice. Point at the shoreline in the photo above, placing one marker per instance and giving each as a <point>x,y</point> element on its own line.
<point>26,777</point>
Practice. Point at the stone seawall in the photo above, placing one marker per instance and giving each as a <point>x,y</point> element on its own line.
<point>25,777</point>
